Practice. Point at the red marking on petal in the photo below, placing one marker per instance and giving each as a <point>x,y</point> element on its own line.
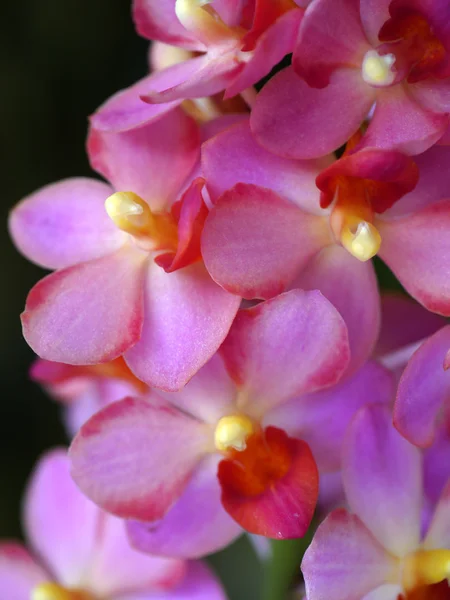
<point>266,13</point>
<point>418,51</point>
<point>271,487</point>
<point>439,591</point>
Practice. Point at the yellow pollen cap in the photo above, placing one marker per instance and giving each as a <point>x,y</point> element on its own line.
<point>426,567</point>
<point>129,212</point>
<point>53,591</point>
<point>376,69</point>
<point>362,241</point>
<point>232,432</point>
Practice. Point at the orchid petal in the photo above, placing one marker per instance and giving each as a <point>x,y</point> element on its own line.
<point>134,458</point>
<point>383,479</point>
<point>433,95</point>
<point>65,223</point>
<point>290,345</point>
<point>416,249</point>
<point>152,161</point>
<point>374,13</point>
<point>423,390</point>
<point>351,286</point>
<point>197,523</point>
<point>294,120</point>
<point>88,313</point>
<point>255,242</point>
<point>187,317</point>
<point>344,560</point>
<point>438,534</point>
<point>19,573</point>
<point>55,513</point>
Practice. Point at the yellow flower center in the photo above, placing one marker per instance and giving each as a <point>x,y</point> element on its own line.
<point>425,568</point>
<point>376,69</point>
<point>52,591</point>
<point>232,432</point>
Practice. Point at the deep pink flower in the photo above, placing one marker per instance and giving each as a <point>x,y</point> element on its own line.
<point>232,45</point>
<point>137,457</point>
<point>350,55</point>
<point>266,231</point>
<point>130,279</point>
<point>77,552</point>
<point>378,550</point>
<point>84,390</point>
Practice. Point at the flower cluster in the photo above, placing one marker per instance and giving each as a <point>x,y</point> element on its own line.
<point>214,326</point>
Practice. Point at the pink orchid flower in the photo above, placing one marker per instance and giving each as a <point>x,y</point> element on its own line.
<point>129,279</point>
<point>351,55</point>
<point>379,549</point>
<point>77,552</point>
<point>227,45</point>
<point>267,232</point>
<point>84,390</point>
<point>218,444</point>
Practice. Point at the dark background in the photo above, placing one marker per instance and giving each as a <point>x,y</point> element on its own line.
<point>59,60</point>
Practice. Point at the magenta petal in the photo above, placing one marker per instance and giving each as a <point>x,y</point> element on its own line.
<point>433,95</point>
<point>207,76</point>
<point>158,21</point>
<point>55,513</point>
<point>292,344</point>
<point>119,569</point>
<point>423,390</point>
<point>330,36</point>
<point>234,157</point>
<point>88,313</point>
<point>295,120</point>
<point>255,242</point>
<point>199,584</point>
<point>388,498</point>
<point>187,316</point>
<point>400,123</point>
<point>344,560</point>
<point>19,573</point>
<point>197,523</point>
<point>433,184</point>
<point>374,13</point>
<point>152,161</point>
<point>322,418</point>
<point>65,223</point>
<point>271,47</point>
<point>417,248</point>
<point>438,534</point>
<point>135,457</point>
<point>351,286</point>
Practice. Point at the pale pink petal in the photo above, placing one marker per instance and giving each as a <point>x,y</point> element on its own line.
<point>209,75</point>
<point>197,523</point>
<point>351,286</point>
<point>388,591</point>
<point>438,534</point>
<point>404,323</point>
<point>19,573</point>
<point>374,13</point>
<point>118,568</point>
<point>400,123</point>
<point>55,514</point>
<point>158,21</point>
<point>344,560</point>
<point>293,344</point>
<point>187,316</point>
<point>292,119</point>
<point>230,11</point>
<point>135,457</point>
<point>255,242</point>
<point>270,48</point>
<point>433,184</point>
<point>331,36</point>
<point>65,223</point>
<point>436,461</point>
<point>152,161</point>
<point>209,395</point>
<point>199,584</point>
<point>322,418</point>
<point>432,94</point>
<point>88,313</point>
<point>423,390</point>
<point>416,249</point>
<point>234,156</point>
<point>382,475</point>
